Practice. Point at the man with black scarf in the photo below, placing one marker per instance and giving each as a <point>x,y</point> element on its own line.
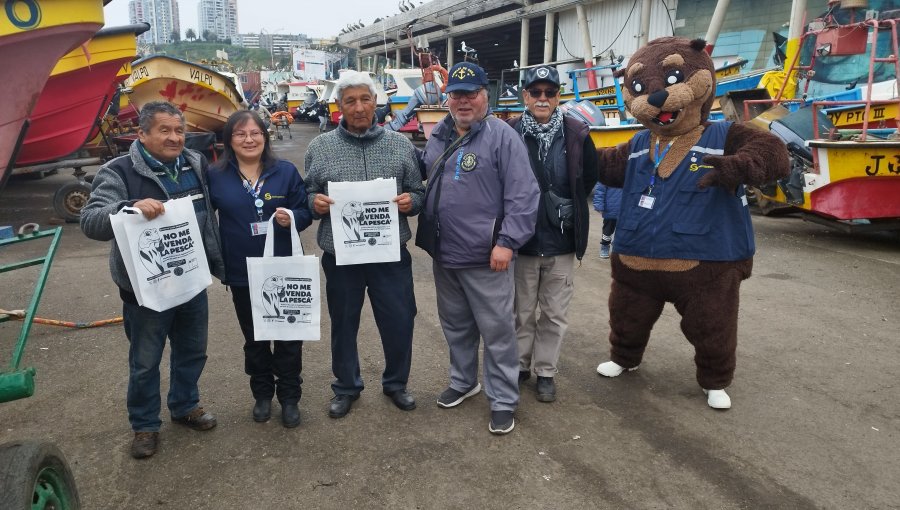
<point>564,162</point>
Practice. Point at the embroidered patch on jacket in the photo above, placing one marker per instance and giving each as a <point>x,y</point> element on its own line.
<point>468,162</point>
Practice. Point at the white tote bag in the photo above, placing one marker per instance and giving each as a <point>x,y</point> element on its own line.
<point>284,291</point>
<point>165,258</point>
<point>364,221</point>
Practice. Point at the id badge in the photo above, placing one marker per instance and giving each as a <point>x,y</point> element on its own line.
<point>646,201</point>
<point>259,228</point>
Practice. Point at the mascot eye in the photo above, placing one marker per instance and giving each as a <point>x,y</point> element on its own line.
<point>674,76</point>
<point>637,86</point>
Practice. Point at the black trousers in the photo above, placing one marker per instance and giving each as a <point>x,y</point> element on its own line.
<point>609,228</point>
<point>390,289</point>
<point>272,371</point>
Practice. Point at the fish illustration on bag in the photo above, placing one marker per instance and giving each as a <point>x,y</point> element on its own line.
<point>150,250</point>
<point>351,216</point>
<point>272,290</point>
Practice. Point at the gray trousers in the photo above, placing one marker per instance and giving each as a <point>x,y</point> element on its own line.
<point>478,303</point>
<point>545,284</point>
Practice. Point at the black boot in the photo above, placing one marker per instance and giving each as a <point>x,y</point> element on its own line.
<point>262,411</point>
<point>290,415</point>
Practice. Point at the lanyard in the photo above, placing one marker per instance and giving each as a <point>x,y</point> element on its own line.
<point>458,164</point>
<point>657,159</point>
<point>253,191</point>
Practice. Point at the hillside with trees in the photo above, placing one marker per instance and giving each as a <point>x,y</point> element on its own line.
<point>243,59</point>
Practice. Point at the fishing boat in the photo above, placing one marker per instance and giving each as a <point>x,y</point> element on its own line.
<point>79,90</point>
<point>844,178</point>
<point>408,82</point>
<point>206,96</point>
<point>33,36</point>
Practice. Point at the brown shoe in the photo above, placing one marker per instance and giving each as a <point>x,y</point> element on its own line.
<point>198,419</point>
<point>144,444</point>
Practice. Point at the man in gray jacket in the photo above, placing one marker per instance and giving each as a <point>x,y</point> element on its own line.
<point>480,207</point>
<point>361,150</point>
<point>158,168</point>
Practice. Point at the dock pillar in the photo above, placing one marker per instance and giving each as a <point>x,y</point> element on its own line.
<point>588,49</point>
<point>549,36</point>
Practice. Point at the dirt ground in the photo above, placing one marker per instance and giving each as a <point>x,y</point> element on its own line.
<point>815,421</point>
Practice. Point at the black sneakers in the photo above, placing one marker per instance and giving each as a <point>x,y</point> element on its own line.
<point>452,398</point>
<point>502,422</point>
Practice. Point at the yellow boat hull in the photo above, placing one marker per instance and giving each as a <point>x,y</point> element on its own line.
<point>429,116</point>
<point>851,180</point>
<point>611,136</point>
<point>206,97</point>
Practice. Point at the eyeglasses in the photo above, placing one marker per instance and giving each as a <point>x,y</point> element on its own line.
<point>468,94</point>
<point>241,135</point>
<point>548,93</point>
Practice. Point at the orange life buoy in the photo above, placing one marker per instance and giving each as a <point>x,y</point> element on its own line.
<point>429,72</point>
<point>278,116</point>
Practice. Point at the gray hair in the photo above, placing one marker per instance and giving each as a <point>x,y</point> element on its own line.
<point>354,79</point>
<point>149,111</point>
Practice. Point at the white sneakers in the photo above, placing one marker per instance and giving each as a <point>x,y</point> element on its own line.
<point>612,369</point>
<point>718,399</point>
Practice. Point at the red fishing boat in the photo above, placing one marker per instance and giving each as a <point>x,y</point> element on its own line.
<point>33,36</point>
<point>78,92</point>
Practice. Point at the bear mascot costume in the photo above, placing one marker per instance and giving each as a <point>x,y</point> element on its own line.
<point>684,234</point>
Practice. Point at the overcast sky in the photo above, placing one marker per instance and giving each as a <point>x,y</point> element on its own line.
<point>315,18</point>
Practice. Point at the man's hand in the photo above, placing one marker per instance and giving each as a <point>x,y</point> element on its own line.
<point>151,208</point>
<point>322,204</point>
<point>404,202</point>
<point>500,258</point>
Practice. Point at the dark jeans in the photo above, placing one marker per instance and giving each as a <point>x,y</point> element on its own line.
<point>146,329</point>
<point>272,371</point>
<point>390,289</point>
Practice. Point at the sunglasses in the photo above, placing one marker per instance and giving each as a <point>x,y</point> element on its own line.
<point>468,94</point>
<point>548,93</point>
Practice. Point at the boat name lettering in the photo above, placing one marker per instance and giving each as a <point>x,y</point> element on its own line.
<point>31,18</point>
<point>892,168</point>
<point>855,116</point>
<point>200,76</point>
<point>140,72</point>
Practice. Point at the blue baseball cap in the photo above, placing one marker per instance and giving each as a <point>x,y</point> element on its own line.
<point>466,76</point>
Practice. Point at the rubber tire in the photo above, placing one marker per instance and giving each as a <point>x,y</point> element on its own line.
<point>69,199</point>
<point>25,463</point>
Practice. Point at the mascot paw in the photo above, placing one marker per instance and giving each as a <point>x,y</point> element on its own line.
<point>717,399</point>
<point>727,172</point>
<point>612,369</point>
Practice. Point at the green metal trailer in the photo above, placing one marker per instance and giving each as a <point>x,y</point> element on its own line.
<point>33,474</point>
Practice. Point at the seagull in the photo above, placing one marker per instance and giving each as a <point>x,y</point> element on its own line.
<point>515,64</point>
<point>411,5</point>
<point>361,24</point>
<point>402,7</point>
<point>464,48</point>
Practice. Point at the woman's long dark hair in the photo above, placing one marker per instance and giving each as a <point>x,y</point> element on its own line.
<point>237,118</point>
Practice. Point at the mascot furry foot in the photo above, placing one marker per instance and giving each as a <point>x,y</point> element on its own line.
<point>612,369</point>
<point>718,399</point>
<point>684,233</point>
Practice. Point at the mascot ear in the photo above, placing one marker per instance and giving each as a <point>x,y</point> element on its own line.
<point>698,44</point>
